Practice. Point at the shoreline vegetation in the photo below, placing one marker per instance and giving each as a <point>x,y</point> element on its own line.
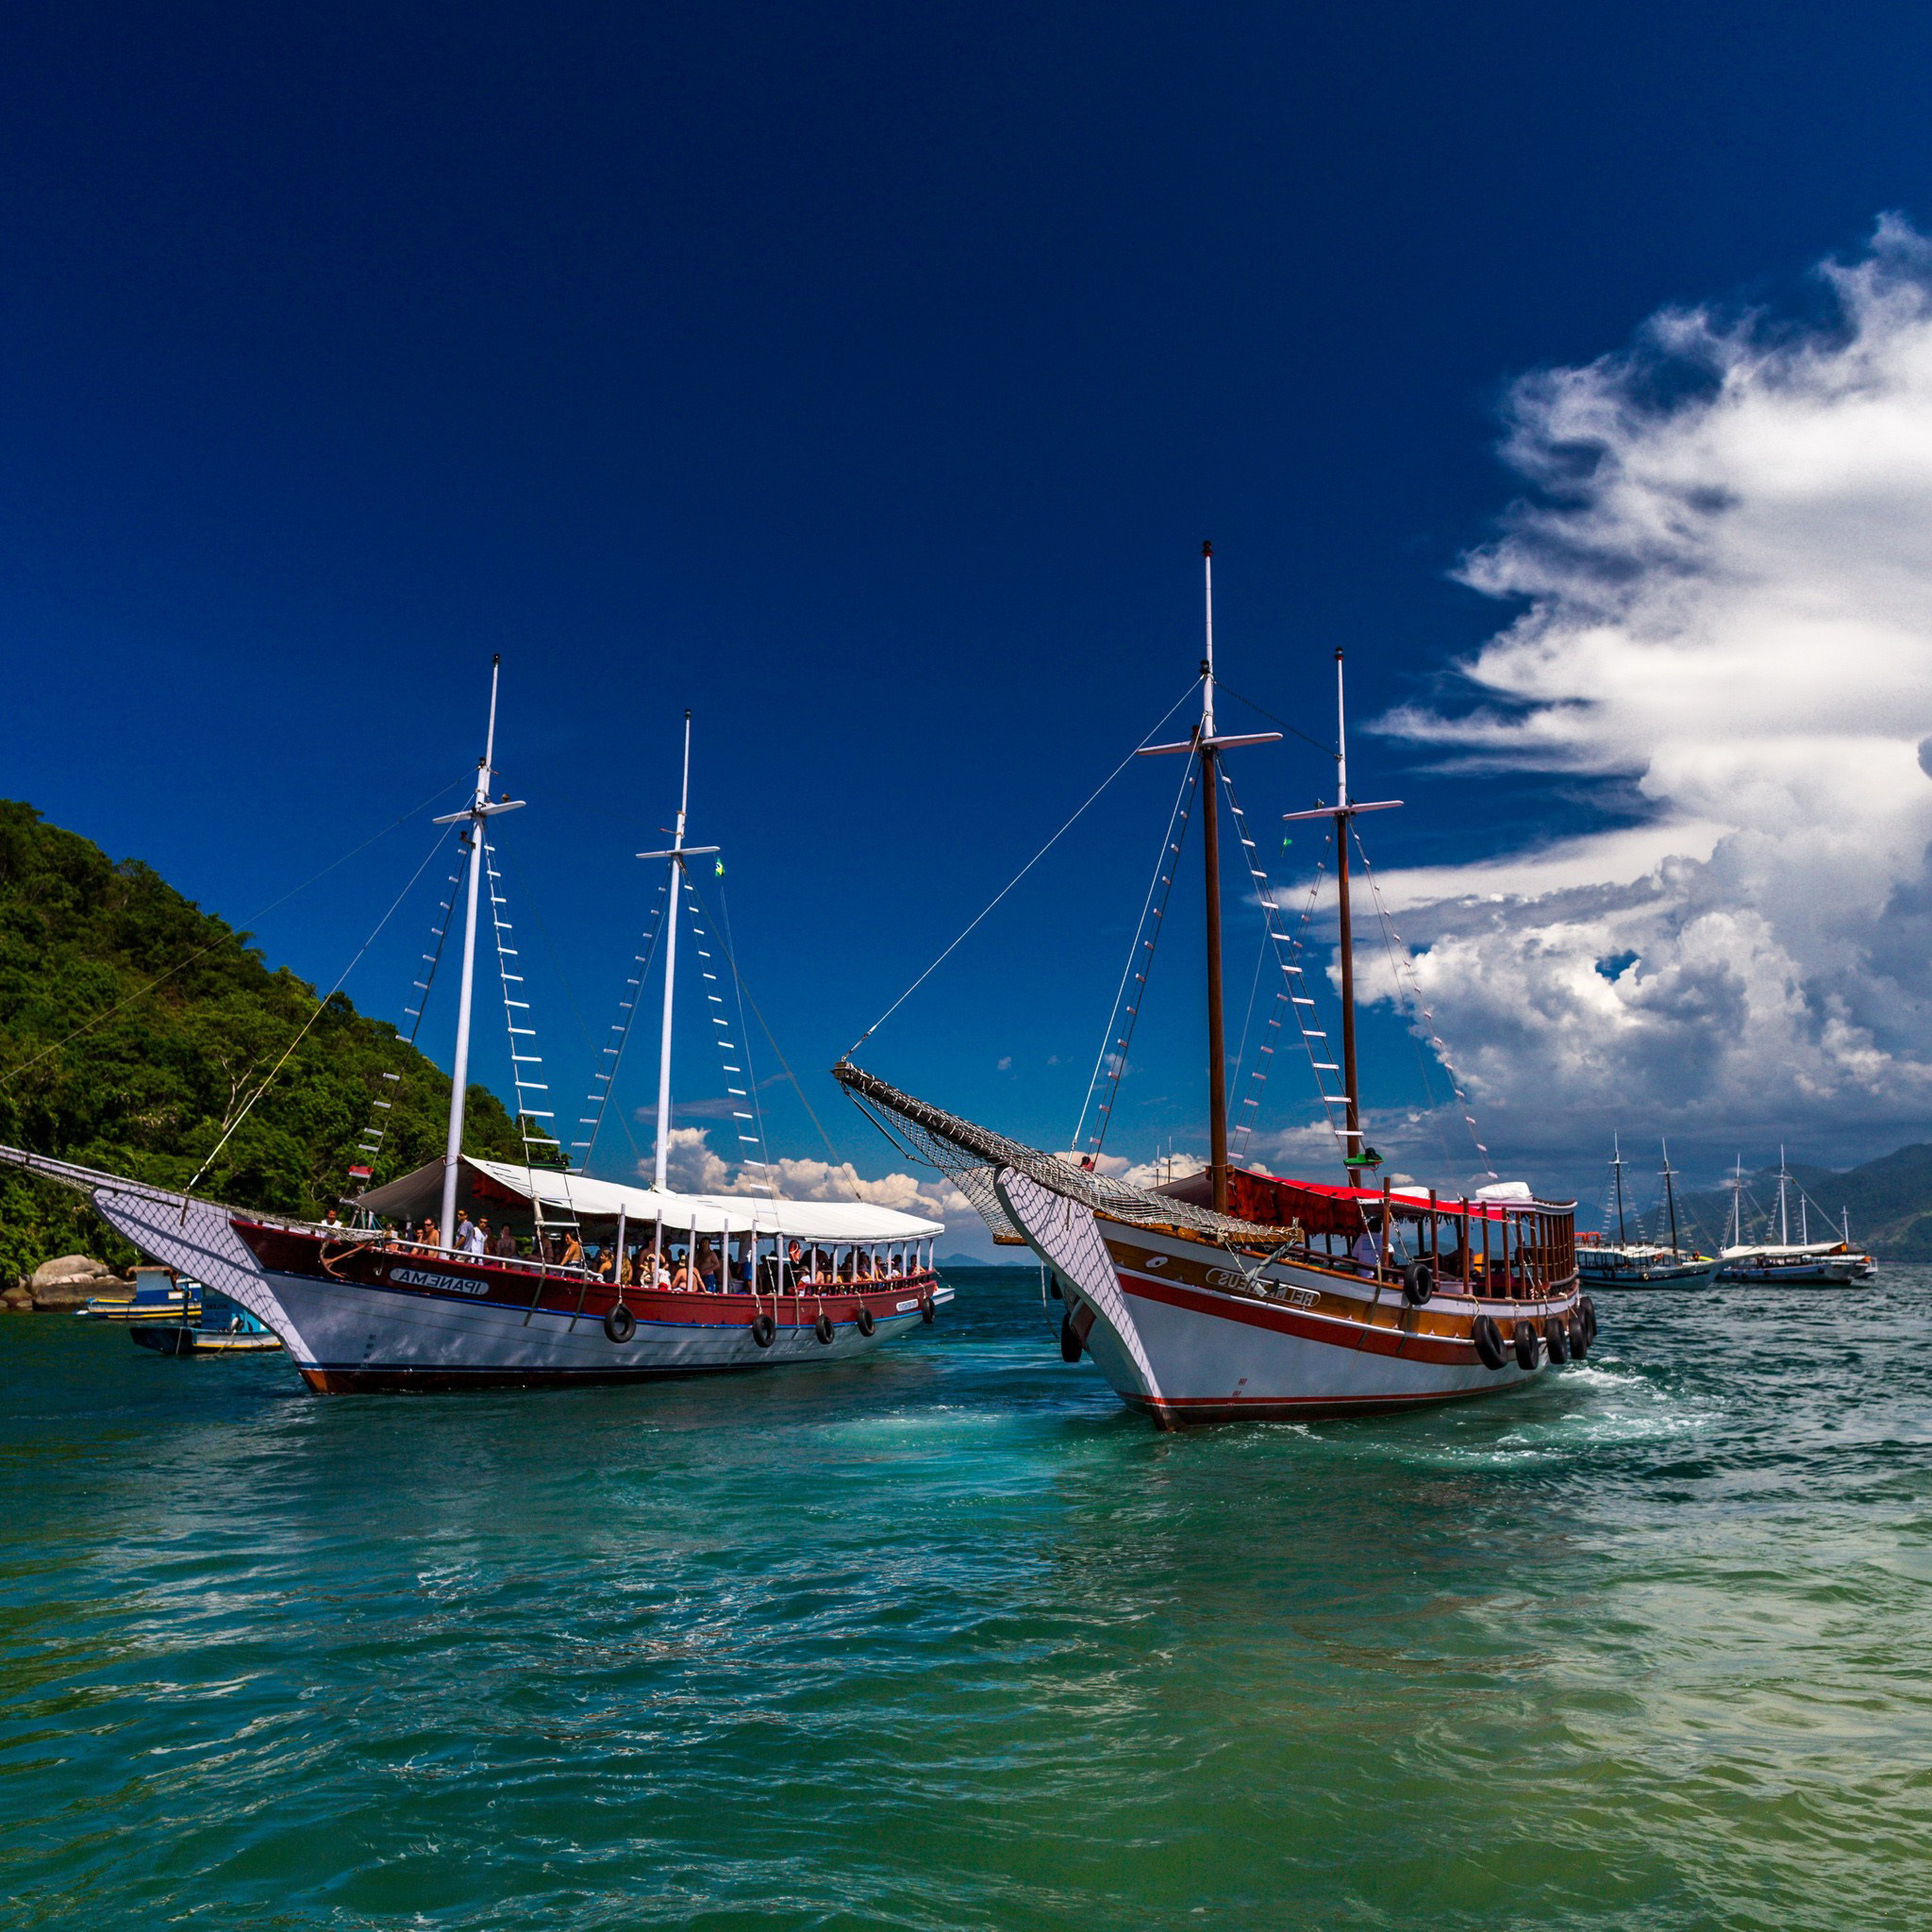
<point>150,1087</point>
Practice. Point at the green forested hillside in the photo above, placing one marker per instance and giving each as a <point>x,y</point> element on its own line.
<point>148,1089</point>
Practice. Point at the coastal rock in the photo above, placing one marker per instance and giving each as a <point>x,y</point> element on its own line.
<point>70,1268</point>
<point>70,1282</point>
<point>18,1300</point>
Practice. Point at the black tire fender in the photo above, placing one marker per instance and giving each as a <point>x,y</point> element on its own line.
<point>926,1310</point>
<point>1418,1283</point>
<point>1525,1338</point>
<point>1556,1340</point>
<point>1579,1336</point>
<point>764,1331</point>
<point>823,1327</point>
<point>620,1325</point>
<point>1070,1343</point>
<point>1488,1342</point>
<point>865,1319</point>
<point>1586,1308</point>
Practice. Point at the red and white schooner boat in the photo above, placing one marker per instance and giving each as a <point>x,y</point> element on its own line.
<point>1239,1295</point>
<point>798,1282</point>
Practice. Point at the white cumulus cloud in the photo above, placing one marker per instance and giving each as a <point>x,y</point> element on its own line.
<point>1725,574</point>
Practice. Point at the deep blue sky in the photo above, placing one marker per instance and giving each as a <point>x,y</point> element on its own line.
<point>863,377</point>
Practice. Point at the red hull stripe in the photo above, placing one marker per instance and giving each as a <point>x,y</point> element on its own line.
<point>1335,1333</point>
<point>1172,1412</point>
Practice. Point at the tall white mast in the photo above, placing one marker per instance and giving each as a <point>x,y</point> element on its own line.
<point>1783,1218</point>
<point>476,814</point>
<point>680,851</point>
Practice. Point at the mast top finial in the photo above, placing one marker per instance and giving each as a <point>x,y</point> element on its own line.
<point>1207,548</point>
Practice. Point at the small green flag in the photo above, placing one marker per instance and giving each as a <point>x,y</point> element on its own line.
<point>720,868</point>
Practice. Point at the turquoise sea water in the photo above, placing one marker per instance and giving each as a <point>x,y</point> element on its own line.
<point>948,1639</point>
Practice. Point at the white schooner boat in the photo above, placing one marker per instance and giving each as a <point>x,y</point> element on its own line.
<point>1785,1262</point>
<point>1602,1262</point>
<point>788,1282</point>
<point>1240,1295</point>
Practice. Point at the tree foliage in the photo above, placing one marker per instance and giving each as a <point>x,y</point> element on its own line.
<point>95,1069</point>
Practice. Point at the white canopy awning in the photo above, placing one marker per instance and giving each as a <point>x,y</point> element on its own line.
<point>578,1197</point>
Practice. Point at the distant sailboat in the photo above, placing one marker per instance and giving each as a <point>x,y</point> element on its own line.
<point>1786,1263</point>
<point>1623,1263</point>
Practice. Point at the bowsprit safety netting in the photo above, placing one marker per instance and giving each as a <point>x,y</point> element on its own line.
<point>972,1156</point>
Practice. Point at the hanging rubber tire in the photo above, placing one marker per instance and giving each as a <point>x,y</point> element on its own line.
<point>1556,1340</point>
<point>823,1327</point>
<point>865,1320</point>
<point>1418,1283</point>
<point>1586,1308</point>
<point>926,1311</point>
<point>764,1331</point>
<point>1488,1342</point>
<point>1579,1336</point>
<point>1053,1286</point>
<point>620,1325</point>
<point>1526,1345</point>
<point>1070,1343</point>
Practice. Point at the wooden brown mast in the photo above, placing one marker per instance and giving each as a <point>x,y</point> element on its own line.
<point>1345,938</point>
<point>1217,1043</point>
<point>1210,745</point>
<point>1343,812</point>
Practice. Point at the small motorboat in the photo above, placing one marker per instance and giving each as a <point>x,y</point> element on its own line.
<point>233,1331</point>
<point>158,1294</point>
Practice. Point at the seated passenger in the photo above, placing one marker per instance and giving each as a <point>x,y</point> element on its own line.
<point>1367,1251</point>
<point>572,1249</point>
<point>680,1276</point>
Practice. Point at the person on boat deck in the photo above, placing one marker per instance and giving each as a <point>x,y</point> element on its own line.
<point>429,1236</point>
<point>680,1274</point>
<point>607,1263</point>
<point>505,1241</point>
<point>707,1267</point>
<point>479,1243</point>
<point>573,1250</point>
<point>1367,1251</point>
<point>332,1222</point>
<point>794,1269</point>
<point>627,1269</point>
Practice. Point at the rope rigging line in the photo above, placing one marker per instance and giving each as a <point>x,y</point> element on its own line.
<point>1405,978</point>
<point>837,1165</point>
<point>523,1083</point>
<point>375,1134</point>
<point>699,935</point>
<point>320,1007</point>
<point>744,1034</point>
<point>1293,730</point>
<point>1113,1047</point>
<point>626,1009</point>
<point>1078,812</point>
<point>1295,980</point>
<point>202,952</point>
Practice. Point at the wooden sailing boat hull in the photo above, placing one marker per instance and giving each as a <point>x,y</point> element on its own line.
<point>1187,1332</point>
<point>473,1323</point>
<point>426,1323</point>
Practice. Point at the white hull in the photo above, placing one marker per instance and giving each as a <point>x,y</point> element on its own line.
<point>1286,1340</point>
<point>348,1335</point>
